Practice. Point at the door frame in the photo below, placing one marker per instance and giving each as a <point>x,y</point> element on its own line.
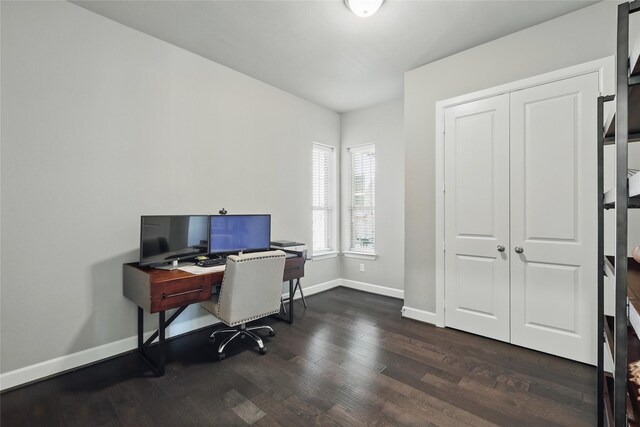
<point>606,84</point>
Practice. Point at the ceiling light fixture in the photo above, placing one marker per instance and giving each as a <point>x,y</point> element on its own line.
<point>363,8</point>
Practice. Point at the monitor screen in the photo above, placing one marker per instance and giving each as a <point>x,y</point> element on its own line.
<point>165,238</point>
<point>235,233</point>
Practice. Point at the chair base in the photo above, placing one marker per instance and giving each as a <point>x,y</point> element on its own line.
<point>241,332</point>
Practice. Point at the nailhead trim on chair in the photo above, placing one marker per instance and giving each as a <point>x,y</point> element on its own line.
<point>262,257</point>
<point>222,286</point>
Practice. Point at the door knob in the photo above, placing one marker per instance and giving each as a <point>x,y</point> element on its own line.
<point>518,249</point>
<point>500,248</point>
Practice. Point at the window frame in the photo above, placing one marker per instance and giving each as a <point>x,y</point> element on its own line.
<point>351,249</point>
<point>332,207</point>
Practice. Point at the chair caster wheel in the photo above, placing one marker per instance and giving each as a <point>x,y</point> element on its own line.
<point>221,356</point>
<point>263,350</point>
<point>272,333</point>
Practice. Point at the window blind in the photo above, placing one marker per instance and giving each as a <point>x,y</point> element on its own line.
<point>363,195</point>
<point>323,198</point>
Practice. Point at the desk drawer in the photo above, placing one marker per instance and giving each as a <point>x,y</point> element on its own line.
<point>293,269</point>
<point>176,293</point>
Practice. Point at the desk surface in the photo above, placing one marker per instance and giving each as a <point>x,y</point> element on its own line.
<point>195,269</point>
<point>158,275</point>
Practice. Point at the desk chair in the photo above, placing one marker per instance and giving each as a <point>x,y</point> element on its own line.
<point>251,289</point>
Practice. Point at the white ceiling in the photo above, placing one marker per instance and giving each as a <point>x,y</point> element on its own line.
<point>319,50</point>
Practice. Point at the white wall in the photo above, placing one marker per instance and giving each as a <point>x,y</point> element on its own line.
<point>579,37</point>
<point>383,125</point>
<point>102,124</point>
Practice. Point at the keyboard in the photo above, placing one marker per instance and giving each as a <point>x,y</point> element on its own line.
<point>211,262</point>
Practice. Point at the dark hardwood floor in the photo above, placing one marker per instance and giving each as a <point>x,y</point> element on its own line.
<point>349,359</point>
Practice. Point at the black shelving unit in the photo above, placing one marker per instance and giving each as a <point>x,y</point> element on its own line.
<point>617,397</point>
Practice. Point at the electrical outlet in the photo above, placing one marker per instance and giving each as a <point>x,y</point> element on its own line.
<point>362,268</point>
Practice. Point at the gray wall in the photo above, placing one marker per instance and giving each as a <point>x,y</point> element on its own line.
<point>102,124</point>
<point>382,124</point>
<point>579,37</point>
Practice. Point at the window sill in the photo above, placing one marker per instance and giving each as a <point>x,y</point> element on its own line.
<point>360,255</point>
<point>324,255</point>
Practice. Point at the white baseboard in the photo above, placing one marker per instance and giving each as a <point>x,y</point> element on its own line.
<point>419,315</point>
<point>55,366</point>
<point>374,289</point>
<point>60,364</point>
<point>92,355</point>
<point>311,290</point>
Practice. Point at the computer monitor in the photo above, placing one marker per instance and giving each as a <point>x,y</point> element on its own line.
<point>235,233</point>
<point>165,238</point>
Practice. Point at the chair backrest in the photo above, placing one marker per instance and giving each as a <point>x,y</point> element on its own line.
<point>251,286</point>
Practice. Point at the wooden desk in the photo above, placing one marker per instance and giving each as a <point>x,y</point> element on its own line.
<point>156,291</point>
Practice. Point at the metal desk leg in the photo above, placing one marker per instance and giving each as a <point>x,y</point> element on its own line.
<point>291,301</point>
<point>157,367</point>
<point>299,288</point>
<point>161,354</point>
<point>140,329</point>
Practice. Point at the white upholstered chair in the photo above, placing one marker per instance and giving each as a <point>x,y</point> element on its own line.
<point>251,289</point>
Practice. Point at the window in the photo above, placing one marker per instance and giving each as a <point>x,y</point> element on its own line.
<point>323,199</point>
<point>362,236</point>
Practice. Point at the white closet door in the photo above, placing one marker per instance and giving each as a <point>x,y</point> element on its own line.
<point>554,218</point>
<point>477,217</point>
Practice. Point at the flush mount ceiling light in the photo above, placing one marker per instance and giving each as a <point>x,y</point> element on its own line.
<point>363,8</point>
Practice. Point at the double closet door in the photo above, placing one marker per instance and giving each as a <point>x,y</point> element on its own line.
<point>521,217</point>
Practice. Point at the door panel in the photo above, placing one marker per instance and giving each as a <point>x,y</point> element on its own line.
<point>554,217</point>
<point>477,217</point>
<point>562,281</point>
<point>548,163</point>
<point>472,298</point>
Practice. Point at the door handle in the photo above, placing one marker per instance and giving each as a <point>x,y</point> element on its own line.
<point>518,249</point>
<point>501,248</point>
<point>165,295</point>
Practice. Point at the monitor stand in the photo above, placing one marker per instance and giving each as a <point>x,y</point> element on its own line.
<point>173,266</point>
<point>167,267</point>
